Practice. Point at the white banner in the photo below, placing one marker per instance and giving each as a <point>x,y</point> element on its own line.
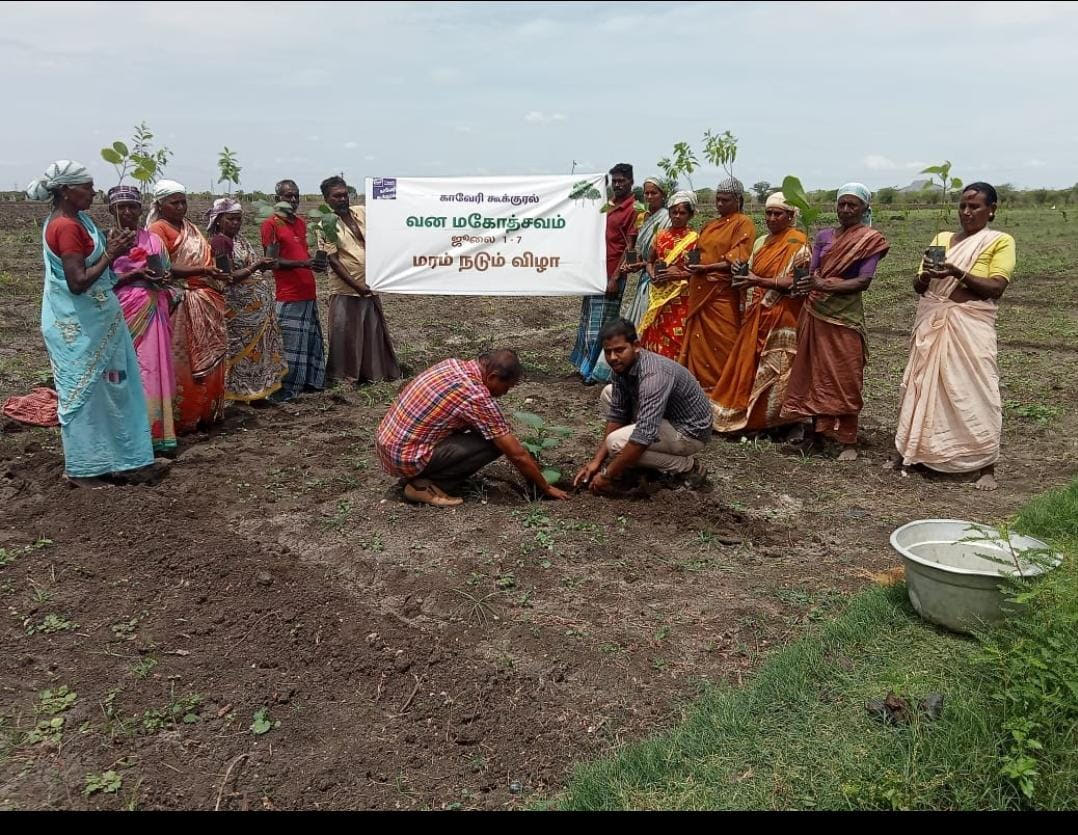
<point>487,236</point>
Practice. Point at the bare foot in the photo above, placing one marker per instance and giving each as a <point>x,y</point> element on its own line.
<point>848,453</point>
<point>987,481</point>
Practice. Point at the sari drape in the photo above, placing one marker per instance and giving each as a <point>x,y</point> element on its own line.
<point>950,416</point>
<point>662,328</point>
<point>751,389</point>
<point>100,403</point>
<point>713,316</point>
<point>199,332</point>
<point>256,363</point>
<point>146,310</point>
<point>828,373</point>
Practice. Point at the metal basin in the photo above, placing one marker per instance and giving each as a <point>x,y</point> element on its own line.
<point>954,569</point>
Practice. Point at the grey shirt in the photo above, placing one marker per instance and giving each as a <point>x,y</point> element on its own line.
<point>655,389</point>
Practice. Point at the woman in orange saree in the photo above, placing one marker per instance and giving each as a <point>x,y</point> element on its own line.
<point>752,387</point>
<point>713,319</point>
<point>662,327</point>
<point>199,330</point>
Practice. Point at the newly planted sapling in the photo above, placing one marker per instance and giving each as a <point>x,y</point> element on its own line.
<point>721,150</point>
<point>321,225</point>
<point>935,255</point>
<point>795,195</point>
<point>542,436</point>
<point>229,168</point>
<point>141,168</point>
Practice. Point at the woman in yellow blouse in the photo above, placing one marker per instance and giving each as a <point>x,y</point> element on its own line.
<point>950,417</point>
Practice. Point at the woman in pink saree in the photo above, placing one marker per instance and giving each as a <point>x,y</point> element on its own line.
<point>950,418</point>
<point>146,301</point>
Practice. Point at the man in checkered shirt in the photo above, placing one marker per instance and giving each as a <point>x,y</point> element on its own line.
<point>657,415</point>
<point>445,426</point>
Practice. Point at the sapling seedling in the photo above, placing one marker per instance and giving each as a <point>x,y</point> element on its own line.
<point>542,437</point>
<point>229,169</point>
<point>936,255</point>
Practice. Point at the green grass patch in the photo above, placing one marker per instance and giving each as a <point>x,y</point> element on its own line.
<point>798,735</point>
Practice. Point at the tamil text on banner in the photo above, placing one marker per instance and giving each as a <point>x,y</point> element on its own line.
<point>487,236</point>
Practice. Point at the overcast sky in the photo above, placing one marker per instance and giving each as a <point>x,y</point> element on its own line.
<point>828,91</point>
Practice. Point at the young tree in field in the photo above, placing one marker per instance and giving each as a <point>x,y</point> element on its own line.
<point>229,168</point>
<point>144,155</point>
<point>761,190</point>
<point>721,150</point>
<point>682,162</point>
<point>141,168</point>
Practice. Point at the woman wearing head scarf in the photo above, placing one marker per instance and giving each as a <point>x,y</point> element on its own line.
<point>146,303</point>
<point>714,306</point>
<point>100,403</point>
<point>662,328</point>
<point>752,386</point>
<point>828,373</point>
<point>256,363</point>
<point>653,220</point>
<point>950,417</point>
<point>199,333</point>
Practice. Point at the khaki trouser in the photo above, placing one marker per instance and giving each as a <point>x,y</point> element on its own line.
<point>672,452</point>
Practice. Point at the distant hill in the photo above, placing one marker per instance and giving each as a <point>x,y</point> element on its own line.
<point>920,185</point>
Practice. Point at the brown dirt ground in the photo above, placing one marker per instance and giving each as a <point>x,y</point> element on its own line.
<point>417,658</point>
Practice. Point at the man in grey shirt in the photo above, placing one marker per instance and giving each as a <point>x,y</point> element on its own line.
<point>657,415</point>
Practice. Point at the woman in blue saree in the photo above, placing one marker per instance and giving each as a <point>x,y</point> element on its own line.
<point>101,405</point>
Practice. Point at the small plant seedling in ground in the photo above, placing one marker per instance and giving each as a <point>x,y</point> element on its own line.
<point>51,624</point>
<point>542,436</point>
<point>144,666</point>
<point>108,782</point>
<point>46,730</point>
<point>262,723</point>
<point>51,702</point>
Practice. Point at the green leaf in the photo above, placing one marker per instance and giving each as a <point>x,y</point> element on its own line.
<point>551,475</point>
<point>143,175</point>
<point>262,723</point>
<point>532,447</point>
<point>120,148</point>
<point>935,169</point>
<point>109,783</point>
<point>549,443</point>
<point>109,155</point>
<point>956,183</point>
<point>530,419</point>
<point>564,431</point>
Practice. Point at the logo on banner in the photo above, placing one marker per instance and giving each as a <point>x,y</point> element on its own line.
<point>385,188</point>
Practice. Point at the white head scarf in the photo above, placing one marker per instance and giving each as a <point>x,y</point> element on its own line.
<point>682,197</point>
<point>862,193</point>
<point>63,172</point>
<point>164,188</point>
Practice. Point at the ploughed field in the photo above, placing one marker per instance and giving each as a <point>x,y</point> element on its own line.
<point>271,627</point>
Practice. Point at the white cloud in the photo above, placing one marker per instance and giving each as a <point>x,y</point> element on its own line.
<point>1035,163</point>
<point>369,157</point>
<point>878,162</point>
<point>538,117</point>
<point>351,145</point>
